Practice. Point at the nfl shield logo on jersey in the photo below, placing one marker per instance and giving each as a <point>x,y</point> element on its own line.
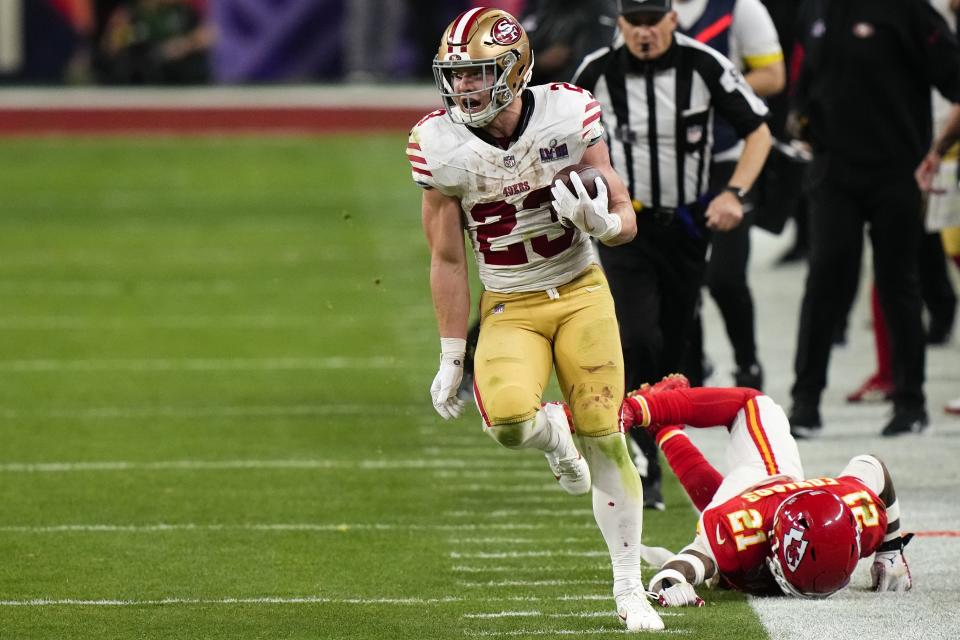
<point>509,161</point>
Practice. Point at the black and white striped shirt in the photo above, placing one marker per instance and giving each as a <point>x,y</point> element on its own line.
<point>658,115</point>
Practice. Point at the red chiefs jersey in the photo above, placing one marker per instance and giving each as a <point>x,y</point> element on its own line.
<point>736,531</point>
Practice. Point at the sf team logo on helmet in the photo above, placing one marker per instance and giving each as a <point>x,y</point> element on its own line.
<point>815,544</point>
<point>483,63</point>
<point>506,31</point>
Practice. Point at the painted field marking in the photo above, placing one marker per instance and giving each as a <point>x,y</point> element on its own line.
<point>527,583</point>
<point>220,465</point>
<point>272,600</point>
<point>575,614</point>
<point>563,632</point>
<point>470,569</point>
<point>542,541</point>
<point>149,365</point>
<point>344,527</point>
<point>510,513</point>
<point>937,534</point>
<point>502,555</point>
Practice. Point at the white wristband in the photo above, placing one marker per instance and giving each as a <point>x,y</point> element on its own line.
<point>616,225</point>
<point>671,575</point>
<point>456,347</point>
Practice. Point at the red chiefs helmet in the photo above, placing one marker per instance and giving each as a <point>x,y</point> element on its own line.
<point>814,545</point>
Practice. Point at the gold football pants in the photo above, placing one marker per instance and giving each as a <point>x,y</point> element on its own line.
<point>573,327</point>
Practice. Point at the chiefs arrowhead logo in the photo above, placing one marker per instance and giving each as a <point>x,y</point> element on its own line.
<point>794,548</point>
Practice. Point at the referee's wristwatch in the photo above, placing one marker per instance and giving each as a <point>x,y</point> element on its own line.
<point>739,192</point>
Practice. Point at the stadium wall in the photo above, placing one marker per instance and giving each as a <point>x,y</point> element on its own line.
<point>216,110</point>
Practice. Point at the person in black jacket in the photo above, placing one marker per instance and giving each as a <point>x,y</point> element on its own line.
<point>862,100</point>
<point>659,91</point>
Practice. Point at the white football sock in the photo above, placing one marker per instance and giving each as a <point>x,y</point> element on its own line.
<point>617,506</point>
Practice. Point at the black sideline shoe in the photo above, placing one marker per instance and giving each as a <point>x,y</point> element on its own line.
<point>805,421</point>
<point>906,421</point>
<point>652,496</point>
<point>751,377</point>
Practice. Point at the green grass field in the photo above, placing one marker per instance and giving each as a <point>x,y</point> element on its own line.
<point>215,357</point>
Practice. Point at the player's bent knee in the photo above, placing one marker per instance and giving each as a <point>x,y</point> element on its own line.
<point>511,436</point>
<point>596,409</point>
<point>509,405</point>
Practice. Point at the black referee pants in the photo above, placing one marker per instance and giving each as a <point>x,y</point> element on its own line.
<point>843,199</point>
<point>655,281</point>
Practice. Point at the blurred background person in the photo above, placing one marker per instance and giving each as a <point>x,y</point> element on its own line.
<point>660,91</point>
<point>564,31</point>
<point>743,31</point>
<point>886,54</point>
<point>156,42</point>
<point>367,21</point>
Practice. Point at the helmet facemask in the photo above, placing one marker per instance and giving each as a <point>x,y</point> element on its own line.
<point>491,49</point>
<point>491,83</point>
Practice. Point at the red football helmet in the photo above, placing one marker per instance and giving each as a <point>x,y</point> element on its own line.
<point>814,545</point>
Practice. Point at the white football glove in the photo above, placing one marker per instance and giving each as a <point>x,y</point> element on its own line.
<point>447,381</point>
<point>890,571</point>
<point>589,215</point>
<point>680,593</point>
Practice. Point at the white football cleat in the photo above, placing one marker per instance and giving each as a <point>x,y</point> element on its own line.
<point>636,613</point>
<point>566,463</point>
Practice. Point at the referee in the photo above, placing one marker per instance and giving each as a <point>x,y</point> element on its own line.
<point>659,91</point>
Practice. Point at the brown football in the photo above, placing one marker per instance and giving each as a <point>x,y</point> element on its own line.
<point>588,175</point>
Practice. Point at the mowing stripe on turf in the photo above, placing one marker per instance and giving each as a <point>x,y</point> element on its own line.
<point>237,411</point>
<point>56,323</point>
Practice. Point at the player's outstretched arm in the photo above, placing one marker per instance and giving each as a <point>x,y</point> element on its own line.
<point>441,216</point>
<point>889,571</point>
<point>673,585</point>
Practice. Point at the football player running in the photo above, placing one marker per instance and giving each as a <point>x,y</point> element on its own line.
<point>763,528</point>
<point>485,164</point>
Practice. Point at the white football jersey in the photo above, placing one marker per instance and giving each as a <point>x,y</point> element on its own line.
<point>505,193</point>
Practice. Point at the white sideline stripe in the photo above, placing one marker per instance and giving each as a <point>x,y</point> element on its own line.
<point>562,632</point>
<point>501,555</point>
<point>107,602</point>
<point>534,614</point>
<point>219,465</point>
<point>528,583</point>
<point>334,95</point>
<point>469,569</point>
<point>45,602</point>
<point>207,412</point>
<point>294,526</point>
<point>510,513</point>
<point>538,540</point>
<point>201,364</point>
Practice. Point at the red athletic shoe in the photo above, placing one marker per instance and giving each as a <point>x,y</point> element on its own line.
<point>632,410</point>
<point>875,389</point>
